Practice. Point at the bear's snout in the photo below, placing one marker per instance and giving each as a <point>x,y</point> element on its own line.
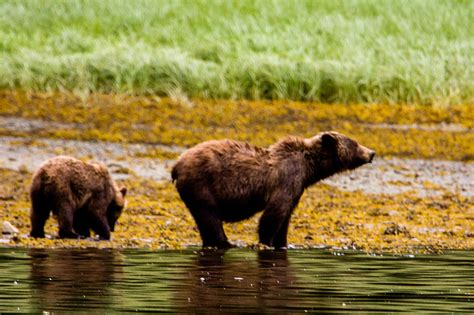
<point>371,156</point>
<point>366,154</point>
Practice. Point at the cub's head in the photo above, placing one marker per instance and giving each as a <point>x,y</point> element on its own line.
<point>335,152</point>
<point>116,206</point>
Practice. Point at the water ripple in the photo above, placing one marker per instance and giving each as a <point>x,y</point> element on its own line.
<point>238,280</point>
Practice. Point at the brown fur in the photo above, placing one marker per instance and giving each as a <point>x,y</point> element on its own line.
<point>228,181</point>
<point>82,195</point>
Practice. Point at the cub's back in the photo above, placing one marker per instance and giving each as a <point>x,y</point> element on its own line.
<point>66,172</point>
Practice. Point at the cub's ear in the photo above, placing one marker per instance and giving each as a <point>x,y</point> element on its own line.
<point>123,190</point>
<point>328,140</point>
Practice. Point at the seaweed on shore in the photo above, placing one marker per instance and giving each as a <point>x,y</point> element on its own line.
<point>326,217</point>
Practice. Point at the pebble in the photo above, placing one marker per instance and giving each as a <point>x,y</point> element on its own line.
<point>8,228</point>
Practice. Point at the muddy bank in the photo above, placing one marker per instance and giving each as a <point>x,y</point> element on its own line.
<point>28,154</point>
<point>433,127</point>
<point>394,176</point>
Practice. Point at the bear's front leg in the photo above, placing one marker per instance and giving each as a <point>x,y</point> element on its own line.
<point>280,239</point>
<point>273,225</point>
<point>268,226</point>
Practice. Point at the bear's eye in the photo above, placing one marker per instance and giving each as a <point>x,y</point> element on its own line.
<point>351,145</point>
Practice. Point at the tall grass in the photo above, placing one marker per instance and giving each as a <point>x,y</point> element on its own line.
<point>417,51</point>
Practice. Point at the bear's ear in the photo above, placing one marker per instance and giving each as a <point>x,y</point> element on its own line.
<point>123,190</point>
<point>328,140</point>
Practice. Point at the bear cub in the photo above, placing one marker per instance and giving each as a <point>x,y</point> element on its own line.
<point>82,195</point>
<point>229,181</point>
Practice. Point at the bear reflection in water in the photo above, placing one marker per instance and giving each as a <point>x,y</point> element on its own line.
<point>65,277</point>
<point>220,281</point>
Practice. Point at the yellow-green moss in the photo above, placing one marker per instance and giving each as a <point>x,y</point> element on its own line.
<point>157,153</point>
<point>123,118</point>
<point>157,218</point>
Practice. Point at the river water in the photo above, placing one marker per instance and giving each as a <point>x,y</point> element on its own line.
<point>238,280</point>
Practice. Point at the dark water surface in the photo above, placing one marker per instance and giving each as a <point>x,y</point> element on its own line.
<point>239,280</point>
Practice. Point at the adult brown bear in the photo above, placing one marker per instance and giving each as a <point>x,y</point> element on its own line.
<point>228,181</point>
<point>82,195</point>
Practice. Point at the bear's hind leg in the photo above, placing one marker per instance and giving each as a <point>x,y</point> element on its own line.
<point>210,228</point>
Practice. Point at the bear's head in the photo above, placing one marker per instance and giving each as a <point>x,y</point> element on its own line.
<point>116,206</point>
<point>333,152</point>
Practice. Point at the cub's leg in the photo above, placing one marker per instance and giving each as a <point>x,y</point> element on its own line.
<point>38,215</point>
<point>66,219</point>
<point>97,214</point>
<point>81,224</point>
<point>101,227</point>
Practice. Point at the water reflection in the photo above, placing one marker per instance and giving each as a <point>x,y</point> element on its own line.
<point>64,278</point>
<point>223,280</point>
<point>237,280</point>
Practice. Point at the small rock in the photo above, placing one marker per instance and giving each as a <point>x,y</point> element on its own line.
<point>23,169</point>
<point>7,197</point>
<point>395,229</point>
<point>393,213</point>
<point>8,228</point>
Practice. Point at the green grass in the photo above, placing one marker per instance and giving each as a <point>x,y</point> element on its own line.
<point>329,51</point>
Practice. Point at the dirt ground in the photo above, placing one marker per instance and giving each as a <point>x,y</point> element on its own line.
<point>416,201</point>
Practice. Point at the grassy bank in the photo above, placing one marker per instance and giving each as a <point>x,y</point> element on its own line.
<point>329,51</point>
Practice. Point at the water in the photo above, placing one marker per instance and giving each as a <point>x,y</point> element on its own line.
<point>93,280</point>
